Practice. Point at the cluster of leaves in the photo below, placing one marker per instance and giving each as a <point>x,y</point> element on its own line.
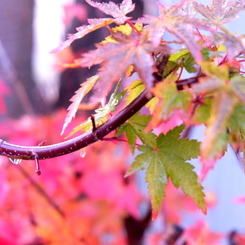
<point>214,94</point>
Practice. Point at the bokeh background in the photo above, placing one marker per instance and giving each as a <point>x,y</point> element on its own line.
<point>68,199</point>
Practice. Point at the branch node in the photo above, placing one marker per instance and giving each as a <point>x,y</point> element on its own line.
<point>38,170</point>
<point>93,123</point>
<point>42,143</point>
<point>94,128</point>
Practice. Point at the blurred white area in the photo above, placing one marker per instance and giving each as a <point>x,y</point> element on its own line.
<point>49,32</point>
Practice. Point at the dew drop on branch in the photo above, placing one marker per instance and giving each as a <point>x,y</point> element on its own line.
<point>15,160</point>
<point>83,152</point>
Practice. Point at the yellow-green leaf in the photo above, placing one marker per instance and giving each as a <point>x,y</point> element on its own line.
<point>168,159</point>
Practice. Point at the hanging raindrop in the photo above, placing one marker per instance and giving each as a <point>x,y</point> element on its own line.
<point>15,160</point>
<point>83,152</point>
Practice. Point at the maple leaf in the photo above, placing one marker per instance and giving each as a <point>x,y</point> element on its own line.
<point>221,11</point>
<point>77,98</point>
<point>118,12</point>
<point>236,127</point>
<point>216,77</point>
<point>170,99</point>
<point>133,49</point>
<point>134,89</point>
<point>225,96</point>
<point>135,127</point>
<point>176,203</point>
<point>233,44</point>
<point>236,130</point>
<point>183,59</point>
<point>237,83</point>
<point>202,111</point>
<point>168,159</point>
<point>188,8</point>
<point>103,112</point>
<point>221,111</point>
<point>93,24</point>
<point>173,19</point>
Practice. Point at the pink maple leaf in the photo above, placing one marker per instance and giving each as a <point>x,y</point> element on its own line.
<point>133,49</point>
<point>173,19</point>
<point>93,24</point>
<point>77,98</point>
<point>118,12</point>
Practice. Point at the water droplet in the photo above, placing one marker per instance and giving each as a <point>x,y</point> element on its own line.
<point>15,160</point>
<point>38,171</point>
<point>83,152</point>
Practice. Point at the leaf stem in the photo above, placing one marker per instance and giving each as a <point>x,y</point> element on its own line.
<point>133,27</point>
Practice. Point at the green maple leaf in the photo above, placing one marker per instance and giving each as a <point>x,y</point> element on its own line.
<point>237,119</point>
<point>134,90</point>
<point>236,129</point>
<point>237,83</point>
<point>171,99</point>
<point>202,112</point>
<point>135,127</point>
<point>168,159</point>
<point>185,59</point>
<point>216,138</point>
<point>226,92</point>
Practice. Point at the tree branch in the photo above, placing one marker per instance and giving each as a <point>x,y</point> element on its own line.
<point>66,147</point>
